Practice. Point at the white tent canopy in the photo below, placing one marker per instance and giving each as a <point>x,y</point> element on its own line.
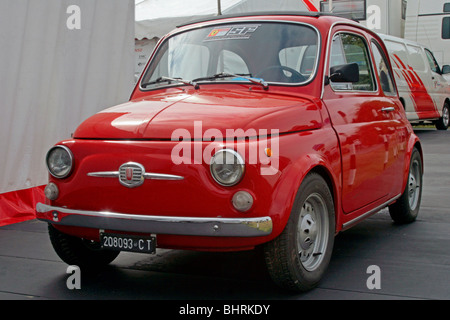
<point>155,18</point>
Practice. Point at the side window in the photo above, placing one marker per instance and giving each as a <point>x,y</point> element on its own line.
<point>308,60</point>
<point>397,51</point>
<point>230,62</point>
<point>385,75</point>
<point>290,57</point>
<point>447,7</point>
<point>433,64</point>
<point>446,28</point>
<point>416,59</point>
<point>337,52</point>
<point>300,58</point>
<point>350,48</point>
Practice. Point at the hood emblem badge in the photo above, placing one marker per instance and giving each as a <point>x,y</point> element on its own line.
<point>132,175</point>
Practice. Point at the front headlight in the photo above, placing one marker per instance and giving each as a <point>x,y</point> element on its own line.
<point>227,167</point>
<point>59,161</point>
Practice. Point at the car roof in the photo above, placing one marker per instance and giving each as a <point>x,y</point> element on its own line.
<point>267,15</point>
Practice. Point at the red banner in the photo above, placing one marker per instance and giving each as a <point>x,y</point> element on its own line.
<point>19,206</point>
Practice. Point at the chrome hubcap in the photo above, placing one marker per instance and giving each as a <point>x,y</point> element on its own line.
<point>312,232</point>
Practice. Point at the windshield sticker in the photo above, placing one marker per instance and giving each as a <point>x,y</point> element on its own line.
<point>232,33</point>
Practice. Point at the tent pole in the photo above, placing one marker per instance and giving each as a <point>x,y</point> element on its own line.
<point>219,8</point>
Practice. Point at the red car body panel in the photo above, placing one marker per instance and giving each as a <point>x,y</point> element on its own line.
<point>157,117</point>
<point>198,195</point>
<point>361,152</point>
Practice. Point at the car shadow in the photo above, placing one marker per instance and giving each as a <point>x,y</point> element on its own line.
<point>192,275</point>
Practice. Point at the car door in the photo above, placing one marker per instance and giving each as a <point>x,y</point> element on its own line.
<point>361,116</point>
<point>396,123</point>
<point>420,82</point>
<point>413,79</point>
<point>438,87</point>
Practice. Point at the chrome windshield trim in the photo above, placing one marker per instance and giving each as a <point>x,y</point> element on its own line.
<point>147,175</point>
<point>191,226</point>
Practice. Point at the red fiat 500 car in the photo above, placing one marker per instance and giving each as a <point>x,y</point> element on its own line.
<point>278,130</point>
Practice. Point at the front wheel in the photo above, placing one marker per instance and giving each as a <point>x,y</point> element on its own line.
<point>406,208</point>
<point>298,258</point>
<point>80,252</point>
<point>443,122</point>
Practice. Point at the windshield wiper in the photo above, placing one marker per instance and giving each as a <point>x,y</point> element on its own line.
<point>229,75</point>
<point>170,80</point>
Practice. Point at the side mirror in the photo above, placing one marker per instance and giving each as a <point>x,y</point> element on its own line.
<point>445,69</point>
<point>345,73</point>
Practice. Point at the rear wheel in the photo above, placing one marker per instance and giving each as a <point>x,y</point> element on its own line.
<point>298,258</point>
<point>85,254</point>
<point>406,208</point>
<point>443,122</point>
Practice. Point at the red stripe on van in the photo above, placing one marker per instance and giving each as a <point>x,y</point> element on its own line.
<point>418,92</point>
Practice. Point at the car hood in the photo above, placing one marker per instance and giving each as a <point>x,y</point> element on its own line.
<point>191,115</point>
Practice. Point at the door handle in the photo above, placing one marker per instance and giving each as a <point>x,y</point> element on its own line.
<point>388,109</point>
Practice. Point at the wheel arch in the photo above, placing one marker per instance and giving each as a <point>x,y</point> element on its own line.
<point>315,155</point>
<point>326,175</point>
<point>414,143</point>
<point>418,146</point>
<point>331,180</point>
<point>446,103</point>
<point>333,186</point>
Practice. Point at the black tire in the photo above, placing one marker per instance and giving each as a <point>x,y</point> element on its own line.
<point>443,122</point>
<point>406,208</point>
<point>76,251</point>
<point>293,262</point>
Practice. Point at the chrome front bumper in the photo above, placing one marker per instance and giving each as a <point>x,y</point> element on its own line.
<point>211,227</point>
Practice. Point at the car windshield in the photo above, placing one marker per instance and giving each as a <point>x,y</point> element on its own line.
<point>257,52</point>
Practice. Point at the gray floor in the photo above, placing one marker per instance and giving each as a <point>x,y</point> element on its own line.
<point>414,260</point>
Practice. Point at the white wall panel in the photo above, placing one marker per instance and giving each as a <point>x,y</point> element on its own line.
<point>52,77</point>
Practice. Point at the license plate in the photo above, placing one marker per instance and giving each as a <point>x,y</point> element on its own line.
<point>121,242</point>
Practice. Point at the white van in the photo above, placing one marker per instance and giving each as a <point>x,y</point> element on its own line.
<point>428,22</point>
<point>423,90</point>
